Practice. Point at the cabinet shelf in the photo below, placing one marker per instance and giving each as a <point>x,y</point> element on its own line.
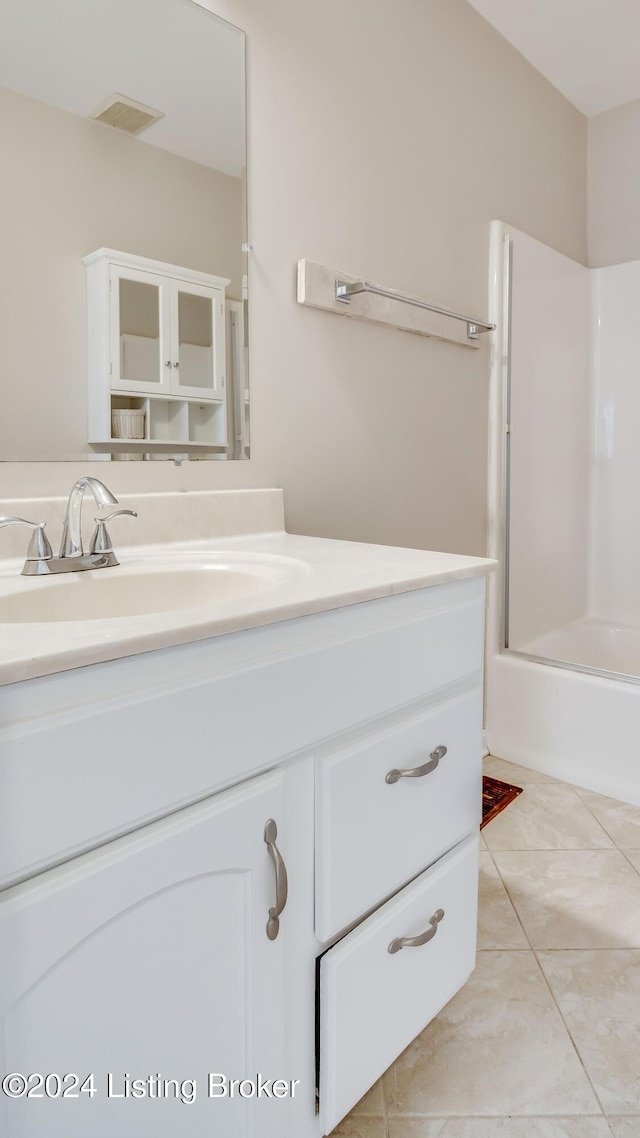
<point>126,394</point>
<point>170,424</point>
<point>166,446</point>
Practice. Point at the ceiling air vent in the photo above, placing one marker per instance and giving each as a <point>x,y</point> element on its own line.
<point>126,114</point>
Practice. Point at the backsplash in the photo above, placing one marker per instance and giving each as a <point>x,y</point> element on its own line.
<point>162,517</point>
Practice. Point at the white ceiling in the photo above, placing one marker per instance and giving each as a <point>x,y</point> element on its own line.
<point>588,49</point>
<point>169,54</point>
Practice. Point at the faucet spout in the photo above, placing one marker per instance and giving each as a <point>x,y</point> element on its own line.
<point>71,544</point>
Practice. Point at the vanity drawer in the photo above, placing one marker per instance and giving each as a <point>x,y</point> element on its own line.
<point>373,835</point>
<point>373,1003</point>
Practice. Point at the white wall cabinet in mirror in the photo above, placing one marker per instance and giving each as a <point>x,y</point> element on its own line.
<point>156,344</point>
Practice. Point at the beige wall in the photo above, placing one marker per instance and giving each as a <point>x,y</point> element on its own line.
<point>70,186</point>
<point>614,186</point>
<point>382,140</point>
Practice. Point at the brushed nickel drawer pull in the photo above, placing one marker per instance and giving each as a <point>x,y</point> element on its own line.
<point>275,912</point>
<point>418,772</point>
<point>418,941</point>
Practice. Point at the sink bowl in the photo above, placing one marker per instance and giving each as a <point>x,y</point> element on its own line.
<point>143,587</point>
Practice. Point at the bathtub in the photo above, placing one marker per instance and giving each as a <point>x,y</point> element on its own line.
<point>579,726</point>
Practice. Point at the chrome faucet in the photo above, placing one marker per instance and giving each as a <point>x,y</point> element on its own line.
<point>71,543</point>
<point>72,558</point>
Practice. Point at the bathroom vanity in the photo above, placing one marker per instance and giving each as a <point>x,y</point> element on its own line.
<point>238,843</point>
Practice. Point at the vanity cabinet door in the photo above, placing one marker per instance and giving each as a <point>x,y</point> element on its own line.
<point>149,960</point>
<point>140,324</point>
<point>198,351</point>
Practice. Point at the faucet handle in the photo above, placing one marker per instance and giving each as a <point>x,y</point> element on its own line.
<point>39,547</point>
<point>101,541</point>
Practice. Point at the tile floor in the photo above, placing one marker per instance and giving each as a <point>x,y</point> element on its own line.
<point>544,1039</point>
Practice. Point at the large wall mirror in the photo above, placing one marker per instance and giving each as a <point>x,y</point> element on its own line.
<point>122,128</point>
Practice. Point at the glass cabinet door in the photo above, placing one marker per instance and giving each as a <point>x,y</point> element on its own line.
<point>198,353</point>
<point>140,331</point>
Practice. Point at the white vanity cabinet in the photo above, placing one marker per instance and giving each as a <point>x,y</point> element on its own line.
<point>149,953</point>
<point>156,343</point>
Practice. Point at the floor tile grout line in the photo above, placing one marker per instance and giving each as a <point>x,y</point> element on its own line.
<point>591,849</point>
<point>596,819</point>
<point>588,948</point>
<point>496,1117</point>
<point>524,948</point>
<point>555,849</point>
<point>626,854</point>
<point>568,786</point>
<point>615,848</point>
<point>601,824</point>
<point>534,948</point>
<point>511,902</point>
<point>615,1116</point>
<point>548,987</point>
<point>385,1112</point>
<point>385,1106</point>
<point>567,1029</point>
<point>577,791</point>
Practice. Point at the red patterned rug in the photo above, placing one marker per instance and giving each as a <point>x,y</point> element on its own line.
<point>495,796</point>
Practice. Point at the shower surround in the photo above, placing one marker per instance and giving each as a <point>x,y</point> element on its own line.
<point>563,662</point>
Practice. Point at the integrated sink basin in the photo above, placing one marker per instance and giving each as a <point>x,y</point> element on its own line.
<point>143,586</point>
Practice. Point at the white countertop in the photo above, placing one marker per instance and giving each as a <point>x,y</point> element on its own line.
<point>330,574</point>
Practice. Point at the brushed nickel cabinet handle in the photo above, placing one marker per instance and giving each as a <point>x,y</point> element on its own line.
<point>418,941</point>
<point>418,772</point>
<point>282,887</point>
